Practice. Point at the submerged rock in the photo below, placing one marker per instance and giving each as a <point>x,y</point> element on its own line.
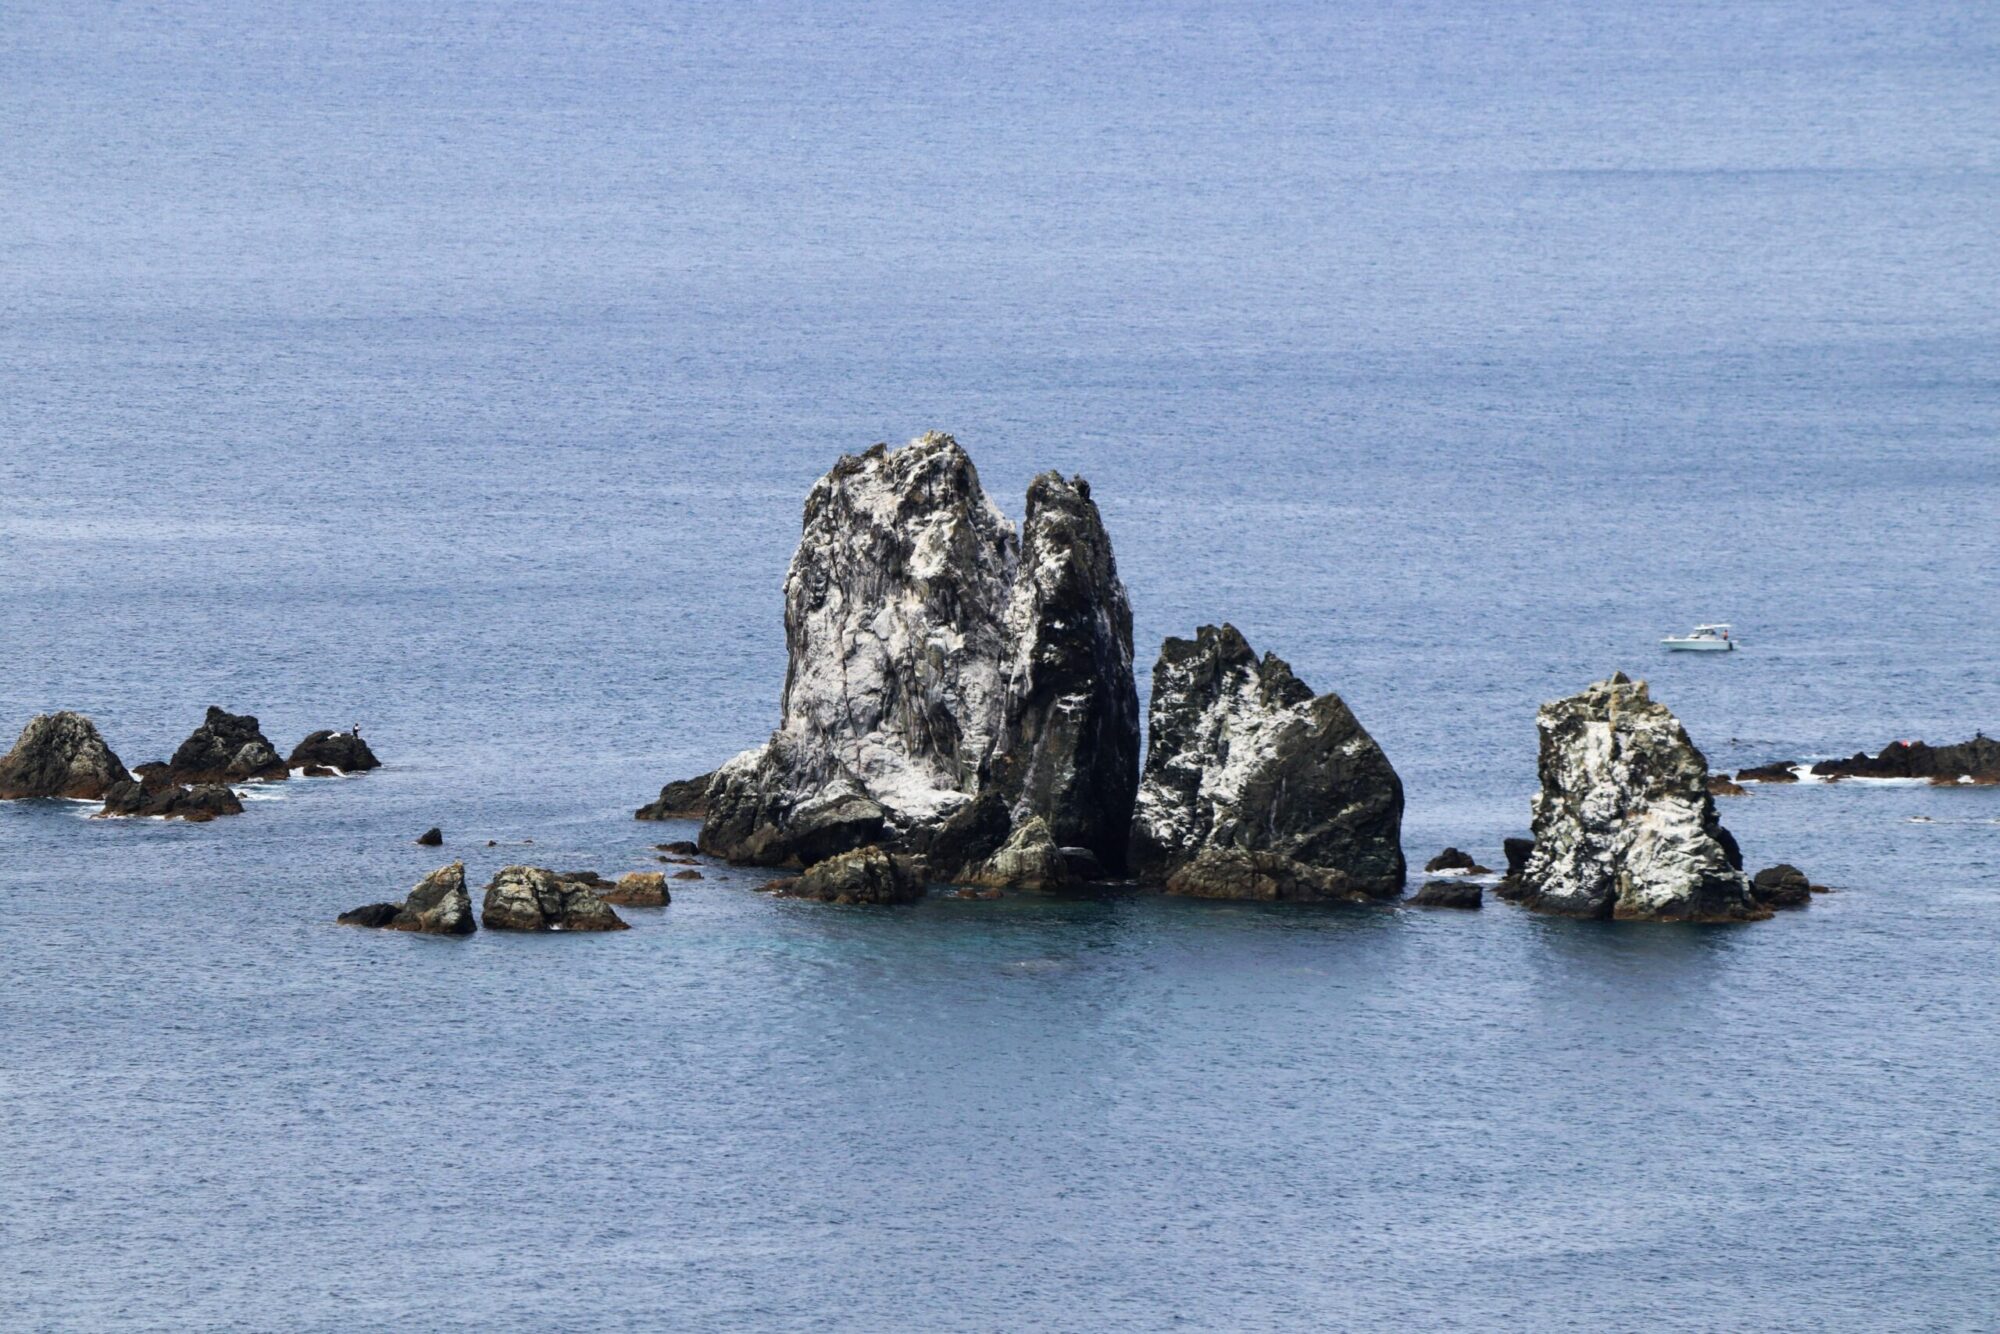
<point>1245,759</point>
<point>438,906</point>
<point>158,796</point>
<point>930,664</point>
<point>1624,826</point>
<point>60,755</point>
<point>226,748</point>
<point>638,889</point>
<point>529,898</point>
<point>1447,894</point>
<point>327,749</point>
<point>1781,886</point>
<point>865,875</point>
<point>686,799</point>
<point>1974,761</point>
<point>1225,872</point>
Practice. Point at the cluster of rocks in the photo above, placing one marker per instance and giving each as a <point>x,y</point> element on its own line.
<point>518,898</point>
<point>1972,762</point>
<point>959,706</point>
<point>63,755</point>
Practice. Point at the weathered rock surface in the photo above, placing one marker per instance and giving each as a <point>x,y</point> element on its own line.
<point>1781,886</point>
<point>1067,752</point>
<point>60,755</point>
<point>431,838</point>
<point>1779,771</point>
<point>1451,859</point>
<point>638,889</point>
<point>328,749</point>
<point>1448,894</point>
<point>1223,872</point>
<point>438,906</point>
<point>1029,859</point>
<point>865,875</point>
<point>686,799</point>
<point>158,796</point>
<point>929,664</point>
<point>1245,760</point>
<point>529,898</point>
<point>1975,761</point>
<point>226,748</point>
<point>1624,826</point>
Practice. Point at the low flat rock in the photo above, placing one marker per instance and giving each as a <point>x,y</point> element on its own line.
<point>531,898</point>
<point>1267,877</point>
<point>1448,894</point>
<point>865,875</point>
<point>638,889</point>
<point>158,797</point>
<point>327,749</point>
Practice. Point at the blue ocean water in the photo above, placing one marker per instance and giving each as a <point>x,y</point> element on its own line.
<point>460,370</point>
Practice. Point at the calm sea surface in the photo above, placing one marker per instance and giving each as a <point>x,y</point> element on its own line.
<point>460,369</point>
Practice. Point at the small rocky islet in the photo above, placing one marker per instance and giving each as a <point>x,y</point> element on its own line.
<point>959,706</point>
<point>63,755</point>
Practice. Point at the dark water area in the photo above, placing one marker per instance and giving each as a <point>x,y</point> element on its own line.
<point>461,370</point>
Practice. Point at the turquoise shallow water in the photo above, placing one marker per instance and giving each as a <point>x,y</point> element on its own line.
<point>463,372</point>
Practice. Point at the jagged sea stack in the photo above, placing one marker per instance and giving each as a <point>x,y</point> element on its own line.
<point>226,748</point>
<point>60,755</point>
<point>1256,788</point>
<point>928,664</point>
<point>1624,826</point>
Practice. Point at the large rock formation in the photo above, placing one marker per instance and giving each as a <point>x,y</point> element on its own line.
<point>438,906</point>
<point>1624,826</point>
<point>226,748</point>
<point>60,755</point>
<point>928,664</point>
<point>1256,788</point>
<point>1974,761</point>
<point>529,898</point>
<point>154,794</point>
<point>325,749</point>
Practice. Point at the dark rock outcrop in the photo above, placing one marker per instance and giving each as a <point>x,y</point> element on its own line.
<point>438,906</point>
<point>865,875</point>
<point>1451,859</point>
<point>325,749</point>
<point>60,755</point>
<point>529,898</point>
<point>1447,894</point>
<point>1517,851</point>
<point>1067,752</point>
<point>158,796</point>
<point>680,847</point>
<point>1719,785</point>
<point>1624,826</point>
<point>226,748</point>
<point>686,799</point>
<point>1781,886</point>
<point>687,875</point>
<point>1778,771</point>
<point>638,889</point>
<point>431,838</point>
<point>1255,787</point>
<point>930,664</point>
<point>1974,761</point>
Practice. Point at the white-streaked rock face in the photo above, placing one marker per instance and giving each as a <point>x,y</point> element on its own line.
<point>928,663</point>
<point>1256,788</point>
<point>1624,826</point>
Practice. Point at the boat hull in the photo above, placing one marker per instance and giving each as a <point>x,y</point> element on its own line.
<point>1699,645</point>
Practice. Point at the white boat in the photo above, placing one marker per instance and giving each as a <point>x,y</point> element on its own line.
<point>1702,639</point>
